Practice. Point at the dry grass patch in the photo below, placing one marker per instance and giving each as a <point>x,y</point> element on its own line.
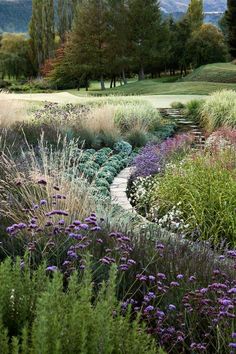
<point>13,111</point>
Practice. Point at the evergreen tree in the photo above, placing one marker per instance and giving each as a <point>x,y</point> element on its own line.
<point>145,24</point>
<point>231,26</point>
<point>195,14</point>
<point>118,54</point>
<point>87,47</point>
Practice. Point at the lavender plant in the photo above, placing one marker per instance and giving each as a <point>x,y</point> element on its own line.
<point>152,158</point>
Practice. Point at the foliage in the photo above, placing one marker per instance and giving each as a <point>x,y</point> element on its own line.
<point>153,158</point>
<point>230,17</point>
<point>203,190</point>
<point>15,58</point>
<point>195,14</point>
<point>41,31</point>
<point>207,45</point>
<point>98,126</point>
<point>219,110</point>
<point>192,110</point>
<point>51,319</point>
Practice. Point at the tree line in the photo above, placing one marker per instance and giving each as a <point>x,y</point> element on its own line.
<point>75,41</point>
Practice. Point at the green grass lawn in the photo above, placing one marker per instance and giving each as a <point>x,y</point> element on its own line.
<point>157,87</point>
<point>219,72</point>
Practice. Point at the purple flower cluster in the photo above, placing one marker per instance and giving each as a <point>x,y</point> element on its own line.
<point>74,240</point>
<point>153,157</point>
<point>180,325</point>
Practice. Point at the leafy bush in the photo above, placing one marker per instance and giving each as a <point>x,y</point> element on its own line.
<point>123,146</point>
<point>201,194</point>
<point>219,110</point>
<point>38,315</point>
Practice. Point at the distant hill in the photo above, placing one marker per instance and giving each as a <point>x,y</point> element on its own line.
<point>15,14</point>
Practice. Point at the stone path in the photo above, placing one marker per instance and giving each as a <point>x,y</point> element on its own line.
<point>119,186</point>
<point>185,125</point>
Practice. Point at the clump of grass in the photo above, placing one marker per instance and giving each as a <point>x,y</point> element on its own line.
<point>192,110</point>
<point>177,105</point>
<point>219,110</point>
<point>12,111</point>
<point>58,168</point>
<point>200,194</point>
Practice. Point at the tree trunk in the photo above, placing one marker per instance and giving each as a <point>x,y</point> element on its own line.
<point>114,81</point>
<point>111,84</point>
<point>141,75</point>
<point>124,77</point>
<point>102,83</point>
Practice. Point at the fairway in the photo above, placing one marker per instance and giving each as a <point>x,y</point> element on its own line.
<point>219,72</point>
<point>157,87</point>
<point>158,101</point>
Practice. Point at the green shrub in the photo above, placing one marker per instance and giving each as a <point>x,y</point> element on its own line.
<point>199,196</point>
<point>102,182</point>
<point>123,146</point>
<point>39,315</point>
<point>219,110</point>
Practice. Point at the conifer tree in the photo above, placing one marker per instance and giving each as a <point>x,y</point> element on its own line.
<point>195,14</point>
<point>117,39</point>
<point>231,26</point>
<point>145,23</point>
<point>87,47</point>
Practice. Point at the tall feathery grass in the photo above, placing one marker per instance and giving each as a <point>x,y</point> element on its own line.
<point>203,191</point>
<point>56,169</point>
<point>219,110</point>
<point>13,111</point>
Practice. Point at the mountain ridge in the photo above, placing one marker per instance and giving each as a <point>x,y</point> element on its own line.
<point>15,14</point>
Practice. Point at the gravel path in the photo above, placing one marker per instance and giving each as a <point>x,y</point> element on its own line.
<point>158,101</point>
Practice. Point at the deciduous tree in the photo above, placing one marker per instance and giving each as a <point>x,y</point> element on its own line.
<point>207,45</point>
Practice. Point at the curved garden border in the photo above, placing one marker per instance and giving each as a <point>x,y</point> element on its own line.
<point>118,188</point>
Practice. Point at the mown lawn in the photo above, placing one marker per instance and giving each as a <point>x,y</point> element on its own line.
<point>157,87</point>
<point>219,72</point>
